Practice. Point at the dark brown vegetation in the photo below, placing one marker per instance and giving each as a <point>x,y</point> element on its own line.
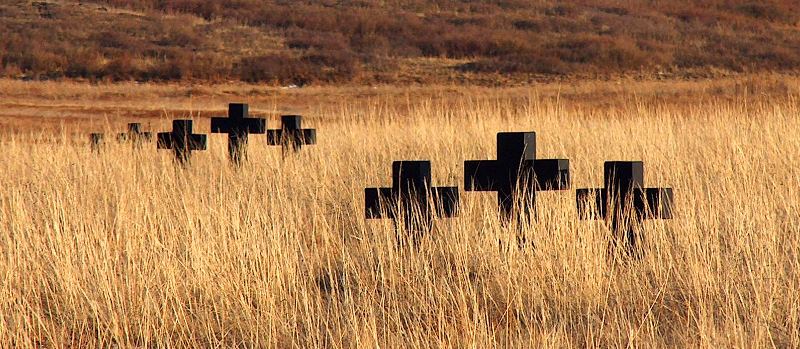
<point>278,41</point>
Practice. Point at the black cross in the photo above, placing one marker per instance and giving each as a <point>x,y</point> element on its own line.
<point>516,175</point>
<point>292,134</point>
<point>95,139</point>
<point>135,134</point>
<point>238,126</point>
<point>181,140</point>
<point>625,201</point>
<point>411,197</point>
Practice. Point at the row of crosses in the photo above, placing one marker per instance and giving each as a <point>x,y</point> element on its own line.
<point>517,176</point>
<point>134,135</point>
<point>237,125</point>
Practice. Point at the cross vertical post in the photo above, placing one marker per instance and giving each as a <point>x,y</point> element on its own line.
<point>134,134</point>
<point>95,140</point>
<point>516,175</point>
<point>292,135</point>
<point>238,126</point>
<point>411,198</point>
<point>181,140</point>
<point>625,202</point>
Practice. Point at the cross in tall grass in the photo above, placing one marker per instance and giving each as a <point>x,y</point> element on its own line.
<point>411,197</point>
<point>292,135</point>
<point>516,175</point>
<point>238,126</point>
<point>181,140</point>
<point>134,134</point>
<point>625,201</point>
<point>95,140</point>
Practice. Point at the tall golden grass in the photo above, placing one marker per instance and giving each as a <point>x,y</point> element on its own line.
<point>125,249</point>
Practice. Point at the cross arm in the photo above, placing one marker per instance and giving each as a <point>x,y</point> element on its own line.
<point>256,125</point>
<point>128,135</point>
<point>481,175</point>
<point>304,136</point>
<point>378,202</point>
<point>552,174</point>
<point>164,140</point>
<point>654,203</point>
<point>246,125</point>
<point>309,136</point>
<point>648,203</point>
<point>220,125</point>
<point>197,142</point>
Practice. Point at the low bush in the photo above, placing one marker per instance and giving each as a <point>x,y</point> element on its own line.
<point>274,69</point>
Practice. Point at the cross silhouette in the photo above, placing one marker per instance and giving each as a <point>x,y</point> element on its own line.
<point>625,201</point>
<point>411,197</point>
<point>95,139</point>
<point>292,135</point>
<point>238,126</point>
<point>134,134</point>
<point>181,140</point>
<point>516,175</point>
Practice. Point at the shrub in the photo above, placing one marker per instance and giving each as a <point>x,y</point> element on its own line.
<point>122,67</point>
<point>371,44</point>
<point>115,40</point>
<point>85,63</point>
<point>600,51</point>
<point>273,69</point>
<point>179,35</point>
<point>528,24</point>
<point>562,10</point>
<point>765,10</point>
<point>518,63</point>
<point>304,40</point>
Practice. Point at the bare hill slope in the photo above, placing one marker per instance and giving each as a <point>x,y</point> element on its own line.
<point>421,41</point>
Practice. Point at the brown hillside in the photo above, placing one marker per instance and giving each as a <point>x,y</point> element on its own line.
<point>367,41</point>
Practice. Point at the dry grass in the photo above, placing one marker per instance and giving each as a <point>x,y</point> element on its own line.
<point>124,249</point>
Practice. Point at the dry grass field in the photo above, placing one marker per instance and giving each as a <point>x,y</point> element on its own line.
<point>125,249</point>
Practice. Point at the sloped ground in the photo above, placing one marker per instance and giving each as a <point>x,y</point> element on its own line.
<point>477,42</point>
<point>84,40</point>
